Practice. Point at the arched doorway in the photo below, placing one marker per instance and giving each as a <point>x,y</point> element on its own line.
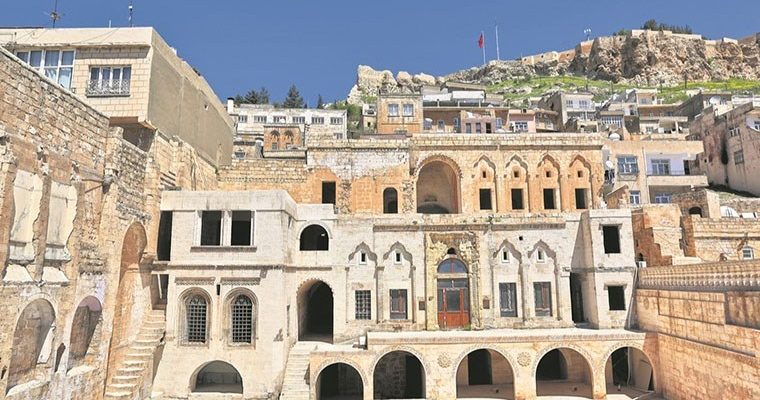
<point>485,374</point>
<point>695,211</point>
<point>130,282</point>
<point>453,294</point>
<point>438,189</point>
<point>86,320</point>
<point>390,201</point>
<point>339,381</point>
<point>399,375</point>
<point>32,342</point>
<point>629,371</point>
<point>314,238</point>
<point>564,372</point>
<point>217,377</point>
<point>315,312</point>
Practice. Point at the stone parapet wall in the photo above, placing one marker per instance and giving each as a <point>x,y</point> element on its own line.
<point>719,276</point>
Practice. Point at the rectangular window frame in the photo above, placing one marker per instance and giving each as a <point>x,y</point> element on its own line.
<point>542,299</point>
<point>616,297</point>
<point>204,238</point>
<point>408,110</point>
<point>659,166</point>
<point>363,305</point>
<point>634,197</point>
<point>508,299</point>
<point>233,221</point>
<point>52,72</point>
<point>628,165</point>
<point>486,202</point>
<point>612,239</point>
<point>399,304</point>
<point>517,199</point>
<point>102,81</point>
<point>393,110</point>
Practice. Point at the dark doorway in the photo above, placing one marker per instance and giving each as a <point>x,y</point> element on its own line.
<point>580,199</point>
<point>552,367</point>
<point>314,238</point>
<point>611,235</point>
<point>339,381</point>
<point>479,368</point>
<point>576,297</point>
<point>316,319</point>
<point>485,199</point>
<point>517,199</point>
<point>164,246</point>
<point>218,377</point>
<point>549,203</point>
<point>620,366</point>
<point>328,192</point>
<point>399,375</point>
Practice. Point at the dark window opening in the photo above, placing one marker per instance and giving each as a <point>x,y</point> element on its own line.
<point>516,173</point>
<point>164,246</point>
<point>508,299</point>
<point>451,251</point>
<point>549,199</point>
<point>580,199</point>
<point>548,174</point>
<point>484,174</point>
<point>485,199</point>
<point>517,199</point>
<point>314,238</point>
<point>339,381</point>
<point>328,192</point>
<point>543,298</point>
<point>390,201</point>
<point>398,304</point>
<point>211,228</point>
<point>241,228</point>
<point>580,174</point>
<point>488,127</point>
<point>611,239</point>
<point>616,295</point>
<point>695,211</point>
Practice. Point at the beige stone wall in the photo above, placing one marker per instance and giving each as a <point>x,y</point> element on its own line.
<point>701,354</point>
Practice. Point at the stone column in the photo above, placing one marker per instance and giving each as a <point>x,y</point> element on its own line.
<point>526,290</point>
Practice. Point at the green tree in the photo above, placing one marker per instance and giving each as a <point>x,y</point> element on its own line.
<point>320,102</point>
<point>254,97</point>
<point>294,99</point>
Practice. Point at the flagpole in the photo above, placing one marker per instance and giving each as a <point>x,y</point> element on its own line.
<point>482,34</point>
<point>498,57</point>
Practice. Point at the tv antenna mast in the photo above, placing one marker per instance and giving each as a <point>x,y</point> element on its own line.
<point>131,9</point>
<point>587,32</point>
<point>55,15</point>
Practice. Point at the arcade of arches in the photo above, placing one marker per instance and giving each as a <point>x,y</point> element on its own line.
<point>487,373</point>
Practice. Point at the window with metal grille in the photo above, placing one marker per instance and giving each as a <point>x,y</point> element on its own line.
<point>242,319</point>
<point>363,304</point>
<point>196,319</point>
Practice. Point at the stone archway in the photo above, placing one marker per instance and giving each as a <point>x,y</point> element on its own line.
<point>131,280</point>
<point>564,372</point>
<point>339,381</point>
<point>32,342</point>
<point>399,375</point>
<point>485,374</point>
<point>629,371</point>
<point>438,188</point>
<point>83,328</point>
<point>217,377</point>
<point>315,311</point>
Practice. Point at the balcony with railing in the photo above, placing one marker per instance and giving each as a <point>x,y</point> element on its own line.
<point>100,88</point>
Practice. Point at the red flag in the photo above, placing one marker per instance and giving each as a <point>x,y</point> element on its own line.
<point>481,40</point>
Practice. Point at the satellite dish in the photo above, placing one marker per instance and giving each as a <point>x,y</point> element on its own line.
<point>715,100</point>
<point>608,164</point>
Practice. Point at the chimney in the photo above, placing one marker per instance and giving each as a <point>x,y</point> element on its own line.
<point>230,105</point>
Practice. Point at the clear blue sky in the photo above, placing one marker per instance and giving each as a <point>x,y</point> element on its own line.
<point>242,44</point>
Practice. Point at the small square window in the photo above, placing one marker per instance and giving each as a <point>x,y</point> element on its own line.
<point>397,257</point>
<point>541,256</point>
<point>580,174</point>
<point>748,253</point>
<point>362,258</point>
<point>505,256</point>
<point>516,173</point>
<point>548,174</point>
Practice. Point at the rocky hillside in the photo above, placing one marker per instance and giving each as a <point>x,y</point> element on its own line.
<point>639,58</point>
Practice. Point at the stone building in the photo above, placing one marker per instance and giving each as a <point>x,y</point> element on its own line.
<point>256,124</point>
<point>408,264</point>
<point>135,78</point>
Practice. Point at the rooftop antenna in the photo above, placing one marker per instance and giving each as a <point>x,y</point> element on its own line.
<point>131,14</point>
<point>587,32</point>
<point>54,15</point>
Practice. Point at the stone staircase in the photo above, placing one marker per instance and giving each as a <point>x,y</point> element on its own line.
<point>295,385</point>
<point>126,381</point>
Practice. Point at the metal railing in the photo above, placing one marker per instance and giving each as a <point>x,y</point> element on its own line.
<point>108,88</point>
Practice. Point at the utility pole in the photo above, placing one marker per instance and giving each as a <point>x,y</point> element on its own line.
<point>498,57</point>
<point>131,15</point>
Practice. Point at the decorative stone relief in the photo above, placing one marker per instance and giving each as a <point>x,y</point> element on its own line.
<point>63,210</point>
<point>523,359</point>
<point>444,360</point>
<point>27,193</point>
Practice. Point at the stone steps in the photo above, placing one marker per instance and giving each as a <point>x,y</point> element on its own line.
<point>294,385</point>
<point>124,384</point>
